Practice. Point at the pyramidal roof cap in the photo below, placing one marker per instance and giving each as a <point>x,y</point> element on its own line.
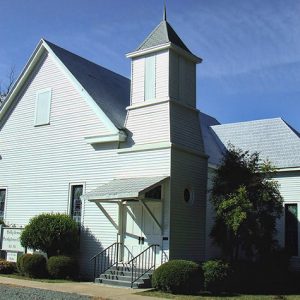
<point>162,34</point>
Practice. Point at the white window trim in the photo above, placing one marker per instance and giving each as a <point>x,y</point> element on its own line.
<point>36,101</point>
<point>69,208</point>
<point>5,204</point>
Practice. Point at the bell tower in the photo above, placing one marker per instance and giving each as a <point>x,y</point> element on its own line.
<point>163,74</point>
<point>163,114</point>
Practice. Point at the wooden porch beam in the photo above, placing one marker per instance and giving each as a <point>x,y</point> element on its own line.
<point>107,215</point>
<point>151,214</point>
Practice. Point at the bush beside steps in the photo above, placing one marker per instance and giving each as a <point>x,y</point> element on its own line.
<point>178,276</point>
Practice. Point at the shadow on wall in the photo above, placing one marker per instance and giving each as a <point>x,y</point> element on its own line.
<point>89,246</point>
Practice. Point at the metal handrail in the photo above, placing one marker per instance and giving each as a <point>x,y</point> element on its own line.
<point>143,263</point>
<point>106,259</point>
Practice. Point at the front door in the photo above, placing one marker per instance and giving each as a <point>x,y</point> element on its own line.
<point>140,230</point>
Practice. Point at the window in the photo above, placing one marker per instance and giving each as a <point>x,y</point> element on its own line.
<point>76,192</point>
<point>42,107</point>
<point>291,229</point>
<point>150,78</point>
<point>188,195</point>
<point>2,203</point>
<point>154,193</point>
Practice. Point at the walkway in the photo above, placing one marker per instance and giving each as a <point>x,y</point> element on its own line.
<point>96,291</point>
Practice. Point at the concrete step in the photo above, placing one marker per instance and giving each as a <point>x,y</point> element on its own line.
<point>122,277</point>
<point>138,284</point>
<point>123,273</point>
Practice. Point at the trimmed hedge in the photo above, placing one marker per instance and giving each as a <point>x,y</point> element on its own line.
<point>62,267</point>
<point>33,265</point>
<point>216,273</point>
<point>54,234</point>
<point>20,263</point>
<point>7,267</point>
<point>178,276</point>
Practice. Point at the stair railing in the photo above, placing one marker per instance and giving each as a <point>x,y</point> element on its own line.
<point>143,263</point>
<point>106,259</point>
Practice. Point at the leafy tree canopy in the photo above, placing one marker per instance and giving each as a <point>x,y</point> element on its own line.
<point>247,203</point>
<point>54,234</point>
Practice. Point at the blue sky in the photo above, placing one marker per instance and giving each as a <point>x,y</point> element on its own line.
<point>250,49</point>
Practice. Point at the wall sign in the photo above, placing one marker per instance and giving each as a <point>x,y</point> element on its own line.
<point>11,256</point>
<point>11,239</point>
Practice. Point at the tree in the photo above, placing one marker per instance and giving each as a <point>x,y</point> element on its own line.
<point>10,81</point>
<point>55,234</point>
<point>247,203</point>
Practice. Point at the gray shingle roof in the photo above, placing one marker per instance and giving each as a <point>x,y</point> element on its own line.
<point>162,34</point>
<point>124,188</point>
<point>274,139</point>
<point>212,148</point>
<point>110,90</point>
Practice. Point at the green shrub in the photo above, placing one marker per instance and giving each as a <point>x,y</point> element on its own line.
<point>216,273</point>
<point>20,263</point>
<point>178,276</point>
<point>62,267</point>
<point>7,267</point>
<point>54,234</point>
<point>34,265</point>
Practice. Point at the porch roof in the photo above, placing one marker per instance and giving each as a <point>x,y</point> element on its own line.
<point>124,188</point>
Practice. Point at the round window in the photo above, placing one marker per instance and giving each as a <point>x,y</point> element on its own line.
<point>187,195</point>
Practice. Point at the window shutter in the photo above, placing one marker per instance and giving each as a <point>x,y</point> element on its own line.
<point>150,78</point>
<point>42,111</point>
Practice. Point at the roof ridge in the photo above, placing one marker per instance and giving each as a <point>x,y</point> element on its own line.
<point>293,129</point>
<point>81,57</point>
<point>149,35</point>
<point>250,121</point>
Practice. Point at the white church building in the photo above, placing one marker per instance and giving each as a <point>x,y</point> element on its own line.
<point>130,160</point>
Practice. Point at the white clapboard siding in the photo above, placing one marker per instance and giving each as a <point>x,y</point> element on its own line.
<point>187,82</point>
<point>138,78</point>
<point>182,79</point>
<point>162,75</point>
<point>185,127</point>
<point>39,163</point>
<point>149,124</point>
<point>174,75</point>
<point>187,220</point>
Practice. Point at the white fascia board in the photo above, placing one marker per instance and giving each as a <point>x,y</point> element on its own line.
<point>189,150</point>
<point>111,198</point>
<point>148,103</point>
<point>37,53</point>
<point>148,51</point>
<point>287,169</point>
<point>166,46</point>
<point>97,110</point>
<point>160,101</point>
<point>117,137</point>
<point>146,147</point>
<point>186,54</point>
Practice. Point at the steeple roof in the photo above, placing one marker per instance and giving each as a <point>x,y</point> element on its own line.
<point>162,34</point>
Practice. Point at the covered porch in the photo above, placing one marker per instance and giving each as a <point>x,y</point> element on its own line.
<point>141,243</point>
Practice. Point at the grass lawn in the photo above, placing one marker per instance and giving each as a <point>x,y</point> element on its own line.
<point>18,276</point>
<point>224,297</point>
